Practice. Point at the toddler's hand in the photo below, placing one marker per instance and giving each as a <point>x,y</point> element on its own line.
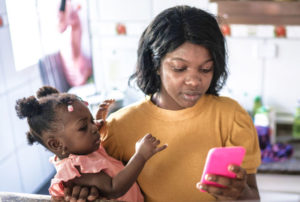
<point>102,114</point>
<point>103,109</point>
<point>147,146</point>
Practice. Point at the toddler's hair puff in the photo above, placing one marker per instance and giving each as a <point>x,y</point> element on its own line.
<point>45,91</point>
<point>28,107</point>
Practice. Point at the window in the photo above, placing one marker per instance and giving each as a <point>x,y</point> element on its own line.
<point>24,32</point>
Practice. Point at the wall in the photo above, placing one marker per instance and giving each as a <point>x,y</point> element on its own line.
<point>23,168</point>
<point>259,64</point>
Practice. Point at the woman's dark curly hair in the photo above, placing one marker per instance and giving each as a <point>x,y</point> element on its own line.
<point>169,30</point>
<point>40,111</point>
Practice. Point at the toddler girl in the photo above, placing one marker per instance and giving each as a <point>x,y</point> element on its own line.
<point>63,124</point>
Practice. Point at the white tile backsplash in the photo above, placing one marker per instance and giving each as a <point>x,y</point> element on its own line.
<point>22,126</point>
<point>2,75</point>
<point>93,6</point>
<point>29,161</point>
<point>111,43</point>
<point>293,32</point>
<point>44,155</point>
<point>108,29</point>
<point>2,7</point>
<point>159,5</point>
<point>10,175</point>
<point>129,10</point>
<point>2,84</point>
<point>281,81</point>
<point>7,142</point>
<point>245,72</point>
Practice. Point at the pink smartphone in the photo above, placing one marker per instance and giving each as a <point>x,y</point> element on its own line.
<point>218,159</point>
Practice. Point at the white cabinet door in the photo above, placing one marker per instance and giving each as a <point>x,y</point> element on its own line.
<point>282,76</point>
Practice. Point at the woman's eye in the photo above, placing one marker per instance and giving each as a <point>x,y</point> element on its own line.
<point>178,69</point>
<point>206,70</point>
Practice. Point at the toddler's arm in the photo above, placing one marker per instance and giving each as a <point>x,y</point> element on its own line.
<point>117,186</point>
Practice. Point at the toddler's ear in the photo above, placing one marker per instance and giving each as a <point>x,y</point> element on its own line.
<point>54,145</point>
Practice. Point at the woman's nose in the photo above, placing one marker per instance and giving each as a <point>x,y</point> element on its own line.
<point>192,80</point>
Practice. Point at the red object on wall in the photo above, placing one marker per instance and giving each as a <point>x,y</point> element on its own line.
<point>226,30</point>
<point>280,31</point>
<point>121,29</point>
<point>1,21</point>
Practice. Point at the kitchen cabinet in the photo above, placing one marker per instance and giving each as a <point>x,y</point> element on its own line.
<point>259,12</point>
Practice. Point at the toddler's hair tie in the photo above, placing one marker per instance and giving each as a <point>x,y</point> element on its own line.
<point>70,108</point>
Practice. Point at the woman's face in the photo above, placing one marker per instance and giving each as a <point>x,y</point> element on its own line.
<point>186,74</point>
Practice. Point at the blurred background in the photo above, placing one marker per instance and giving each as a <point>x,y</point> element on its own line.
<point>263,41</point>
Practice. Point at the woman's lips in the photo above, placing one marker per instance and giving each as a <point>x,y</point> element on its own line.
<point>191,96</point>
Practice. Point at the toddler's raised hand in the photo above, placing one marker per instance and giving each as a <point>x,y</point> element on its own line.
<point>102,114</point>
<point>103,109</point>
<point>148,146</point>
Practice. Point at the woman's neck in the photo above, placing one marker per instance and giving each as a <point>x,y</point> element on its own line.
<point>155,99</point>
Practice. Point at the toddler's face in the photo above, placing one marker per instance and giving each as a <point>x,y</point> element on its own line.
<point>186,74</point>
<point>80,134</point>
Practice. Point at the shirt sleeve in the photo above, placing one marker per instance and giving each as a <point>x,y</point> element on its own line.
<point>243,133</point>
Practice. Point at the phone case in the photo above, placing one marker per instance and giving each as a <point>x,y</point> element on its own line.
<point>218,159</point>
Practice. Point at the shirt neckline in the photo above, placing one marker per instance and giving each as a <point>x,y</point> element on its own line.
<point>174,115</point>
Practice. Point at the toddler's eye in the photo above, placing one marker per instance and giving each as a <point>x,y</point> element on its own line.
<point>83,128</point>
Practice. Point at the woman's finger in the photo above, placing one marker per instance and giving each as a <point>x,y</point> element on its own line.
<point>94,194</point>
<point>84,192</point>
<point>239,171</point>
<point>75,193</point>
<point>67,193</point>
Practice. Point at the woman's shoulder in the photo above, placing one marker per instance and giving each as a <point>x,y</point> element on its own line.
<point>223,101</point>
<point>228,106</point>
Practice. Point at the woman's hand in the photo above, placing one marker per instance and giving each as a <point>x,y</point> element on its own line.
<point>148,146</point>
<point>243,186</point>
<point>80,194</point>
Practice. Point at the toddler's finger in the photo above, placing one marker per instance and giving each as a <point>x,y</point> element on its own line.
<point>156,142</point>
<point>159,149</point>
<point>103,105</point>
<point>153,139</point>
<point>148,136</point>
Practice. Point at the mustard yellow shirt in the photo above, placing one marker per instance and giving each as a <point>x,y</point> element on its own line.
<point>172,174</point>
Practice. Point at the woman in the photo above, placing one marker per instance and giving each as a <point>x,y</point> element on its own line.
<point>181,67</point>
